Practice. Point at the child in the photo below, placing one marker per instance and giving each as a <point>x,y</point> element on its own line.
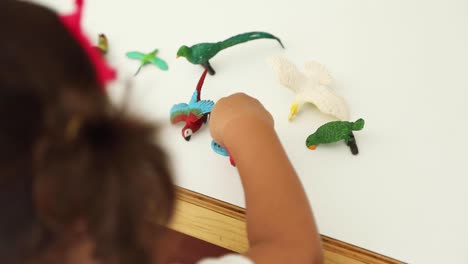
<point>80,179</point>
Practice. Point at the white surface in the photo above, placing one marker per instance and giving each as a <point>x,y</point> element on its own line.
<point>401,65</point>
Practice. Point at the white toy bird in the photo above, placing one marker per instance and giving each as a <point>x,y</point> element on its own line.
<point>311,87</point>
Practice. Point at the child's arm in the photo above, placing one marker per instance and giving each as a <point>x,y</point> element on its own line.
<point>280,224</point>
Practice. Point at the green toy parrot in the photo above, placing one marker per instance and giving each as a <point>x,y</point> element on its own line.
<point>148,58</point>
<point>203,52</point>
<point>335,131</point>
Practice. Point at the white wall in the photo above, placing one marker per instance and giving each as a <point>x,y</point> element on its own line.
<point>401,65</point>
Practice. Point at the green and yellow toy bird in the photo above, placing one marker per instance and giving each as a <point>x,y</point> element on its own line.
<point>103,44</point>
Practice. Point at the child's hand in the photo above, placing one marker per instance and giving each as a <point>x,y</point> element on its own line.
<point>236,114</point>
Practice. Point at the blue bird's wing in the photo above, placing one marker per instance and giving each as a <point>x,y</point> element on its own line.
<point>179,113</point>
<point>204,106</point>
<point>183,112</point>
<point>194,98</point>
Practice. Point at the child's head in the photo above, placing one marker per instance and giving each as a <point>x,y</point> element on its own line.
<point>71,165</point>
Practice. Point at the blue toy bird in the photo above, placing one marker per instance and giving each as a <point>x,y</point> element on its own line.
<point>195,113</point>
<point>222,151</point>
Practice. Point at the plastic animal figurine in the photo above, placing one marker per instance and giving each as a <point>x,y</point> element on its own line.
<point>311,87</point>
<point>335,131</point>
<point>222,151</point>
<point>202,53</point>
<point>147,58</point>
<point>103,44</point>
<point>195,113</point>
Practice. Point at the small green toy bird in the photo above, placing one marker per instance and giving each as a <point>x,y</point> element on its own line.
<point>148,58</point>
<point>335,131</point>
<point>203,52</point>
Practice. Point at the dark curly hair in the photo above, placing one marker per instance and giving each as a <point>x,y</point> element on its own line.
<point>71,164</point>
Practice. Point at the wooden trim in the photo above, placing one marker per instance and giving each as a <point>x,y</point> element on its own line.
<point>224,225</point>
<point>210,220</point>
<point>354,252</point>
<point>211,204</point>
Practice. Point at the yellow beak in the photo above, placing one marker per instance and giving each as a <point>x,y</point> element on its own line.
<point>293,110</point>
<point>177,56</point>
<point>312,147</point>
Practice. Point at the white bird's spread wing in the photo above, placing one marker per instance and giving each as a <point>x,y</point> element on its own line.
<point>288,74</point>
<point>317,73</point>
<point>317,92</point>
<point>311,87</point>
<point>327,102</point>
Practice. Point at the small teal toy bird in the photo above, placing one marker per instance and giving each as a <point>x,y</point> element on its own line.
<point>147,58</point>
<point>195,113</point>
<point>335,131</point>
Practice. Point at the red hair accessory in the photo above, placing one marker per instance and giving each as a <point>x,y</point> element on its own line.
<point>104,73</point>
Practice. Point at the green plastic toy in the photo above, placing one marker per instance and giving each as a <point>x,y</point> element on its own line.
<point>203,52</point>
<point>335,131</point>
<point>147,58</point>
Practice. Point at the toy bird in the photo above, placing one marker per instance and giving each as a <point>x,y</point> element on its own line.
<point>103,44</point>
<point>202,53</point>
<point>335,131</point>
<point>222,151</point>
<point>195,113</point>
<point>311,87</point>
<point>72,22</point>
<point>148,58</point>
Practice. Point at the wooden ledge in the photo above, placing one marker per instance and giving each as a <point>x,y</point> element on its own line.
<point>224,225</point>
